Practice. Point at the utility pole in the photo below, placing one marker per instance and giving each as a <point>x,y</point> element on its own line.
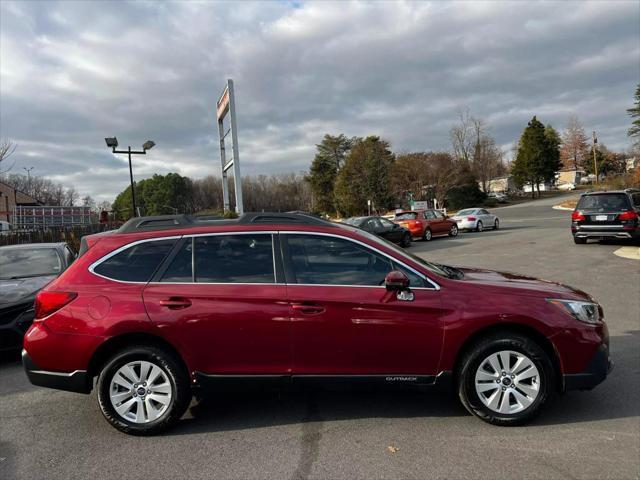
<point>595,159</point>
<point>28,170</point>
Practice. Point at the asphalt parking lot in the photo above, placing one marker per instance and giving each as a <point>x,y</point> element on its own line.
<point>341,434</point>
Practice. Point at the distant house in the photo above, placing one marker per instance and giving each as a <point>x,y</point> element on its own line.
<point>543,187</point>
<point>570,175</point>
<point>505,183</point>
<point>11,198</point>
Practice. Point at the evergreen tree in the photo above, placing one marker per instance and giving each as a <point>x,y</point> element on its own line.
<point>553,162</point>
<point>365,176</point>
<point>535,156</point>
<point>330,156</point>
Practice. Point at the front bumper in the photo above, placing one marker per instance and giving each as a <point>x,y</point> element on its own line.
<point>77,381</point>
<point>596,372</point>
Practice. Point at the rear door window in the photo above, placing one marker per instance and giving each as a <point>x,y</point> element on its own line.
<point>136,263</point>
<point>636,200</point>
<point>234,259</point>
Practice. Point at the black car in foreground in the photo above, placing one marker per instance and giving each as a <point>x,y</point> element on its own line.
<point>383,228</point>
<point>604,215</point>
<point>24,270</point>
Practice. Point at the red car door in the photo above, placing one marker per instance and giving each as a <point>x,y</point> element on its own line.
<point>344,320</point>
<point>229,315</point>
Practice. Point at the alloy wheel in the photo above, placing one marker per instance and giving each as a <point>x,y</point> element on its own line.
<point>427,235</point>
<point>480,227</point>
<point>454,231</point>
<point>140,391</point>
<point>507,382</point>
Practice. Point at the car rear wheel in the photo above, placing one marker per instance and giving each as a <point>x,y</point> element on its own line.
<point>453,232</point>
<point>496,224</point>
<point>427,235</point>
<point>479,226</point>
<point>505,379</point>
<point>143,390</point>
<point>579,241</point>
<point>406,240</point>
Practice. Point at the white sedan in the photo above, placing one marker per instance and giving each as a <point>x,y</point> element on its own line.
<point>477,219</point>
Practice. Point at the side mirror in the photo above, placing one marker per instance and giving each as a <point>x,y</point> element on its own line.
<point>396,281</point>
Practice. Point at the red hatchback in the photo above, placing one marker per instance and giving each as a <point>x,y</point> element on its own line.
<point>426,224</point>
<point>167,305</point>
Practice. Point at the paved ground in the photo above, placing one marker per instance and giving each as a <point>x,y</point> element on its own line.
<point>50,434</point>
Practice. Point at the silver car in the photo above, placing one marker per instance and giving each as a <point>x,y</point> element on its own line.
<point>477,219</point>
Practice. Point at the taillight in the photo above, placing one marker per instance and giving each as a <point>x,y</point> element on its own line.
<point>49,302</point>
<point>630,215</point>
<point>471,219</point>
<point>577,216</point>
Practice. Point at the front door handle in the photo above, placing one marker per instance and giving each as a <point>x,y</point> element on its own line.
<point>308,308</point>
<point>176,303</point>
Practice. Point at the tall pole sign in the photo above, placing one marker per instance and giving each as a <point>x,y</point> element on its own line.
<point>226,107</point>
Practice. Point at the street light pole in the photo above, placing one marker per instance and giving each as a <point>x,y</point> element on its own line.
<point>112,142</point>
<point>595,159</point>
<point>133,189</point>
<point>28,170</point>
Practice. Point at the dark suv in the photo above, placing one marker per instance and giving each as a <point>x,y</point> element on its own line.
<point>604,215</point>
<point>171,304</point>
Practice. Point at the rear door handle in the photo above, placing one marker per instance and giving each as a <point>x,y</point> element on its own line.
<point>308,308</point>
<point>175,303</point>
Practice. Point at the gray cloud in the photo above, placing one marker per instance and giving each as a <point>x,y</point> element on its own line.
<point>72,73</point>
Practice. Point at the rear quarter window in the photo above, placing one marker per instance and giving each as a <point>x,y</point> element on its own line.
<point>136,263</point>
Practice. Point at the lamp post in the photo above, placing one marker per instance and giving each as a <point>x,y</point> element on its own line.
<point>28,170</point>
<point>112,142</point>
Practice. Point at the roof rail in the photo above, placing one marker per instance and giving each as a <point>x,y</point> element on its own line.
<point>171,222</point>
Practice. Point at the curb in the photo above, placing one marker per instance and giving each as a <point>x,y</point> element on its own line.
<point>628,252</point>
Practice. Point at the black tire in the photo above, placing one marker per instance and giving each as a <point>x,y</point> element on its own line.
<point>475,357</point>
<point>579,241</point>
<point>496,224</point>
<point>479,226</point>
<point>453,231</point>
<point>406,240</point>
<point>427,235</point>
<point>176,374</point>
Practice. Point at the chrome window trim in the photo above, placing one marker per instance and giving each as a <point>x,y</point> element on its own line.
<point>91,268</point>
<point>178,237</point>
<point>106,257</point>
<point>366,245</point>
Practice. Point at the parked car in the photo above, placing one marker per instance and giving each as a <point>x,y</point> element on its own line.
<point>166,305</point>
<point>567,186</point>
<point>382,227</point>
<point>603,215</point>
<point>426,224</point>
<point>477,219</point>
<point>498,197</point>
<point>24,270</point>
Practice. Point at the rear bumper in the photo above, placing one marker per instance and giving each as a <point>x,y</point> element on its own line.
<point>596,372</point>
<point>77,381</point>
<point>597,231</point>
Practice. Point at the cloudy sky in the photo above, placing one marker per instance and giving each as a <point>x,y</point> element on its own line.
<point>73,73</point>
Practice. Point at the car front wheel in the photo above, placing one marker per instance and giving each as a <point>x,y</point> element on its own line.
<point>505,379</point>
<point>454,231</point>
<point>143,390</point>
<point>406,240</point>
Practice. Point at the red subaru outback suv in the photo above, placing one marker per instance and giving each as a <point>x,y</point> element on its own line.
<point>166,305</point>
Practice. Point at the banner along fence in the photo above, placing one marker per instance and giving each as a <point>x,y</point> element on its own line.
<point>70,235</point>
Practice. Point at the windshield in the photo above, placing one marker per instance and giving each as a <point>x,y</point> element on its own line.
<point>468,211</point>
<point>353,221</point>
<point>22,262</point>
<point>406,216</point>
<point>442,270</point>
<point>610,202</point>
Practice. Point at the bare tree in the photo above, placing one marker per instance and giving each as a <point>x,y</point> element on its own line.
<point>7,148</point>
<point>462,135</point>
<point>574,151</point>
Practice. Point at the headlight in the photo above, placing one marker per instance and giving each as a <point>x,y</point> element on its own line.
<point>587,312</point>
